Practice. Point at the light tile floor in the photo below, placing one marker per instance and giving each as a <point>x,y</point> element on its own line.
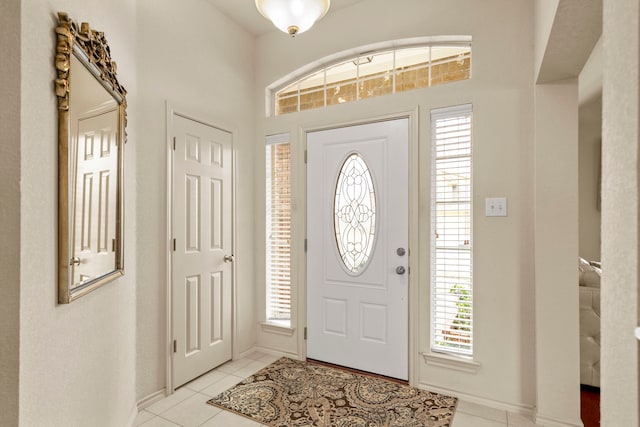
<point>187,407</point>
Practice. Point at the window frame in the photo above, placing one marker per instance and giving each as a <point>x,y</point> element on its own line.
<point>441,311</point>
<point>285,271</point>
<point>355,54</point>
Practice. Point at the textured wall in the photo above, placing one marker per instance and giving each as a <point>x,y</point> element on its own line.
<point>590,137</point>
<point>202,63</point>
<point>9,210</point>
<point>77,361</point>
<point>620,216</point>
<point>556,239</point>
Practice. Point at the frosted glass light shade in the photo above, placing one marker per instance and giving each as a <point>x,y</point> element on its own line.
<point>293,16</point>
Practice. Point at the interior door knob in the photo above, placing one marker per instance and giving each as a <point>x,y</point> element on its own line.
<point>74,261</point>
<point>228,258</point>
<point>400,270</point>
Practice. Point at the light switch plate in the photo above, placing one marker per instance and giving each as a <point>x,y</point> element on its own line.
<point>496,206</point>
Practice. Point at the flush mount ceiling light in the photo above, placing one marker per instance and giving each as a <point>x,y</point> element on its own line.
<point>293,16</point>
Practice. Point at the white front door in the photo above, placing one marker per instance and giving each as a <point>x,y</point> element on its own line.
<point>357,256</point>
<point>202,257</point>
<point>96,172</point>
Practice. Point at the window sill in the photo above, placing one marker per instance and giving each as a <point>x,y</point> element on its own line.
<point>275,328</point>
<point>457,363</point>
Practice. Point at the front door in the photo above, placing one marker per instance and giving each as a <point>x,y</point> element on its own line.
<point>357,256</point>
<point>202,248</point>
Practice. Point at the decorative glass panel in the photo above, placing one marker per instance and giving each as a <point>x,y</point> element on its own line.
<point>355,214</point>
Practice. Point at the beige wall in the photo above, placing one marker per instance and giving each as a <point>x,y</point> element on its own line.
<point>556,249</point>
<point>590,138</point>
<point>544,14</point>
<point>502,99</point>
<point>590,146</point>
<point>620,217</point>
<point>9,210</point>
<point>77,361</point>
<point>202,63</point>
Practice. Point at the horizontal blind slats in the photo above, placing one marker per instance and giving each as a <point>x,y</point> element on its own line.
<point>452,292</point>
<point>278,228</point>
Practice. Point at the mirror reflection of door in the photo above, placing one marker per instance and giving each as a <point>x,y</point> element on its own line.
<point>95,202</point>
<point>93,117</point>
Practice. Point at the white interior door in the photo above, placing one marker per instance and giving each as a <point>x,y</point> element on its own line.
<point>96,169</point>
<point>202,257</point>
<point>357,257</point>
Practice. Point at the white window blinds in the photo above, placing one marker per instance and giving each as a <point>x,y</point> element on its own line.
<point>451,226</point>
<point>278,230</point>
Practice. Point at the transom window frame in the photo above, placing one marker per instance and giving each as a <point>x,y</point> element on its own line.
<point>354,54</point>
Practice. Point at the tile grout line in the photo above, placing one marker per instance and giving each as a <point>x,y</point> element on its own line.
<point>506,423</point>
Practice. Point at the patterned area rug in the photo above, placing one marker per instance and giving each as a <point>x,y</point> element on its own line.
<point>292,393</point>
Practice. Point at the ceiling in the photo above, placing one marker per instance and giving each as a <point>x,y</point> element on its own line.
<point>244,13</point>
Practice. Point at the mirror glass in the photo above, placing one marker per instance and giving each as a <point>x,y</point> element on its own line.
<point>93,122</point>
<point>91,137</point>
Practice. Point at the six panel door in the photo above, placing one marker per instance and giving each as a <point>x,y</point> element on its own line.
<point>202,228</point>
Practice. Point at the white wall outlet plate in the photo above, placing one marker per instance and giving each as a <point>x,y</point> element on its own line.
<point>495,206</point>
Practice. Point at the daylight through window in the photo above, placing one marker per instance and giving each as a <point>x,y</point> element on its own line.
<point>376,74</point>
<point>451,243</point>
<point>278,229</point>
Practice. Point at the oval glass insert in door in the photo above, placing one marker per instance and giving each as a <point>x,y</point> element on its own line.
<point>355,214</point>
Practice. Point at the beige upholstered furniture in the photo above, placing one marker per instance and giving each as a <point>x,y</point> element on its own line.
<point>589,290</point>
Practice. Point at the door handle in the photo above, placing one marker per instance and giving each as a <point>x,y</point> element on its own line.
<point>74,261</point>
<point>228,258</point>
<point>400,270</point>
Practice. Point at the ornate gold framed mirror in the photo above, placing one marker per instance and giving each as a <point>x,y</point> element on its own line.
<point>91,136</point>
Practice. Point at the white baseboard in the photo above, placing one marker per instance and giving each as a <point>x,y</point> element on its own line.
<point>555,422</point>
<point>495,404</point>
<point>246,353</point>
<point>132,415</point>
<point>277,352</point>
<point>151,399</point>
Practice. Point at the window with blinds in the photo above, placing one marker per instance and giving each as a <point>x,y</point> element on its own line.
<point>451,226</point>
<point>278,230</point>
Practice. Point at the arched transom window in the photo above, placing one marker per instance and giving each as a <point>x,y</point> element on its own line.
<point>381,72</point>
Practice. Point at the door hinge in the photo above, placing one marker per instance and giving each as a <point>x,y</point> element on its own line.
<point>305,156</point>
<point>174,245</point>
<point>305,245</point>
<point>113,245</point>
<point>174,143</point>
<point>305,332</point>
<point>175,346</point>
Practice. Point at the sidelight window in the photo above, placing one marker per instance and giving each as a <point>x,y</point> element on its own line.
<point>451,231</point>
<point>278,230</point>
